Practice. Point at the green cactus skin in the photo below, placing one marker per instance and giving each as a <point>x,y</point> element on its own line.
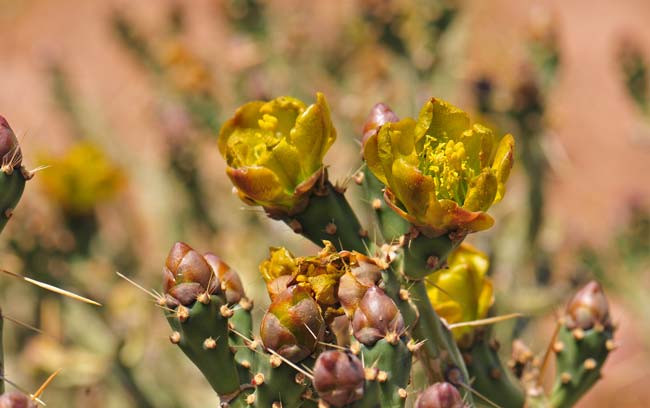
<point>424,255</point>
<point>12,184</point>
<point>328,216</point>
<point>280,384</point>
<point>390,224</point>
<point>441,350</point>
<point>489,377</point>
<point>241,328</point>
<point>393,360</point>
<point>579,360</point>
<point>217,364</point>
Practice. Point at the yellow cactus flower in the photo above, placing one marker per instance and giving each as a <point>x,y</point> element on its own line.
<point>462,292</point>
<point>274,151</point>
<point>82,178</point>
<point>441,173</point>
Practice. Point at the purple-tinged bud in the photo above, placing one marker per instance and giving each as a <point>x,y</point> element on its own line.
<point>10,154</point>
<point>364,273</point>
<point>338,377</point>
<point>16,400</point>
<point>293,325</point>
<point>227,279</point>
<point>375,317</point>
<point>186,275</point>
<point>588,308</point>
<point>440,395</point>
<point>379,115</point>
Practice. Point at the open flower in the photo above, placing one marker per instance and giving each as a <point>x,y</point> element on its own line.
<point>274,151</point>
<point>462,292</point>
<point>441,173</point>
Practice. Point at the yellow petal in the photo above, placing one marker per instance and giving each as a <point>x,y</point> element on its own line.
<point>412,188</point>
<point>481,192</point>
<point>285,111</point>
<point>371,156</point>
<point>260,185</point>
<point>441,120</point>
<point>502,164</point>
<point>246,116</point>
<point>313,134</point>
<point>478,142</point>
<point>284,160</point>
<point>485,300</point>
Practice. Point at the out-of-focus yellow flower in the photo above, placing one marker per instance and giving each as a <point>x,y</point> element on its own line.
<point>462,292</point>
<point>82,178</point>
<point>184,69</point>
<point>441,173</point>
<point>275,150</point>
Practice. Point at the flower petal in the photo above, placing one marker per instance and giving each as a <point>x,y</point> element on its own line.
<point>412,188</point>
<point>259,185</point>
<point>503,160</point>
<point>481,192</point>
<point>441,120</point>
<point>313,134</point>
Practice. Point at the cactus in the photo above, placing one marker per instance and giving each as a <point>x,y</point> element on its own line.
<point>14,175</point>
<point>346,325</point>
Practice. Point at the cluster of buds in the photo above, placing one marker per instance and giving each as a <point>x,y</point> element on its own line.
<point>188,275</point>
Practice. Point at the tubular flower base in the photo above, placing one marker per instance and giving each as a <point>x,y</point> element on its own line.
<point>274,151</point>
<point>441,173</point>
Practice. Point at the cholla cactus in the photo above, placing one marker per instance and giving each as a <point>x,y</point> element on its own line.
<point>345,325</point>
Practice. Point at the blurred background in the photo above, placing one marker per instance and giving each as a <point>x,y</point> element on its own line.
<point>123,101</point>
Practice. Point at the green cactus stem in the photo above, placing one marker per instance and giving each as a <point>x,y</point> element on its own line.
<point>439,348</point>
<point>390,224</point>
<point>329,217</point>
<point>489,377</point>
<point>390,357</point>
<point>201,331</point>
<point>424,255</point>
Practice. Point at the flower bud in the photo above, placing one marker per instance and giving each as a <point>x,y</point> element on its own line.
<point>16,400</point>
<point>10,153</point>
<point>380,114</point>
<point>186,274</point>
<point>293,325</point>
<point>225,278</point>
<point>338,377</point>
<point>588,307</point>
<point>440,395</point>
<point>376,316</point>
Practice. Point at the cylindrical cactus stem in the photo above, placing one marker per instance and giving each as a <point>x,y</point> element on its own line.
<point>424,255</point>
<point>240,327</point>
<point>584,341</point>
<point>196,289</point>
<point>440,395</point>
<point>12,174</point>
<point>329,217</point>
<point>378,325</point>
<point>441,353</point>
<point>489,377</point>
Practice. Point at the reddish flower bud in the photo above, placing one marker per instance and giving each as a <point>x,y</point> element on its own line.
<point>376,316</point>
<point>440,395</point>
<point>338,377</point>
<point>16,400</point>
<point>293,325</point>
<point>588,307</point>
<point>379,115</point>
<point>10,153</point>
<point>186,274</point>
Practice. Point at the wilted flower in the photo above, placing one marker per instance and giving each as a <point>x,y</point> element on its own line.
<point>293,325</point>
<point>441,173</point>
<point>588,307</point>
<point>440,395</point>
<point>329,275</point>
<point>82,178</point>
<point>274,151</point>
<point>462,292</point>
<point>339,377</point>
